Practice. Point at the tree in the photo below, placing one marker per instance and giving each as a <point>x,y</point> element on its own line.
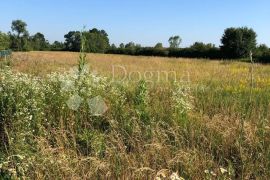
<point>122,46</point>
<point>131,47</point>
<point>238,42</point>
<point>57,46</point>
<point>19,26</point>
<point>113,46</point>
<point>4,41</point>
<point>175,42</point>
<point>159,46</point>
<point>261,50</point>
<point>199,46</point>
<point>25,42</point>
<point>14,41</point>
<point>39,42</point>
<point>17,42</point>
<point>97,41</point>
<point>73,41</point>
<point>21,43</point>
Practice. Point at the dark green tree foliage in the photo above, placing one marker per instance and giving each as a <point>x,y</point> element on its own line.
<point>150,51</point>
<point>97,41</point>
<point>19,42</point>
<point>130,48</point>
<point>39,43</point>
<point>199,46</point>
<point>73,41</point>
<point>113,46</point>
<point>130,45</point>
<point>262,54</point>
<point>264,58</point>
<point>260,50</point>
<point>197,50</point>
<point>201,50</point>
<point>159,46</point>
<point>175,42</point>
<point>4,41</point>
<point>14,42</point>
<point>18,26</point>
<point>26,42</point>
<point>57,46</point>
<point>238,42</point>
<point>122,46</point>
<point>22,41</point>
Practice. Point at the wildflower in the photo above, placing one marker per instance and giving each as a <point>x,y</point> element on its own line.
<point>97,106</point>
<point>213,173</point>
<point>223,171</point>
<point>74,102</point>
<point>67,85</point>
<point>175,176</point>
<point>206,171</point>
<point>182,99</point>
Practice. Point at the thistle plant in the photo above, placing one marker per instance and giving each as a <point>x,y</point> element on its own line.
<point>251,73</point>
<point>82,57</point>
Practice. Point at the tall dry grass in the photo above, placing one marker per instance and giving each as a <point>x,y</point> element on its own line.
<point>154,128</point>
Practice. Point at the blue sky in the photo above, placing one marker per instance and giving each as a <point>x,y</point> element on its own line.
<point>142,21</point>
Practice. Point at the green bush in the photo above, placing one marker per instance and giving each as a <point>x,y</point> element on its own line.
<point>4,41</point>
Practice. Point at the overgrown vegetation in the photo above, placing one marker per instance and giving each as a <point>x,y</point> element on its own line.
<point>210,128</point>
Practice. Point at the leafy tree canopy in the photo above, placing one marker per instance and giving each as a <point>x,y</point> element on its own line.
<point>238,42</point>
<point>19,26</point>
<point>175,41</point>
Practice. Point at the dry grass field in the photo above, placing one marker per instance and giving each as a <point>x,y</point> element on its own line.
<point>42,63</point>
<point>168,118</point>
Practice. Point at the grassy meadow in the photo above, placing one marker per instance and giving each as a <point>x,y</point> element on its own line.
<point>166,118</point>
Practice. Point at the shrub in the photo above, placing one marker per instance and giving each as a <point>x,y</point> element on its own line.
<point>4,41</point>
<point>264,58</point>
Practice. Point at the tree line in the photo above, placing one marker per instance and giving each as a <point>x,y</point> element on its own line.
<point>236,43</point>
<point>19,39</point>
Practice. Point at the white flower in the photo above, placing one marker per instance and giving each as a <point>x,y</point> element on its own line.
<point>97,106</point>
<point>67,85</point>
<point>206,171</point>
<point>213,173</point>
<point>74,102</point>
<point>182,99</point>
<point>175,176</point>
<point>223,171</point>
